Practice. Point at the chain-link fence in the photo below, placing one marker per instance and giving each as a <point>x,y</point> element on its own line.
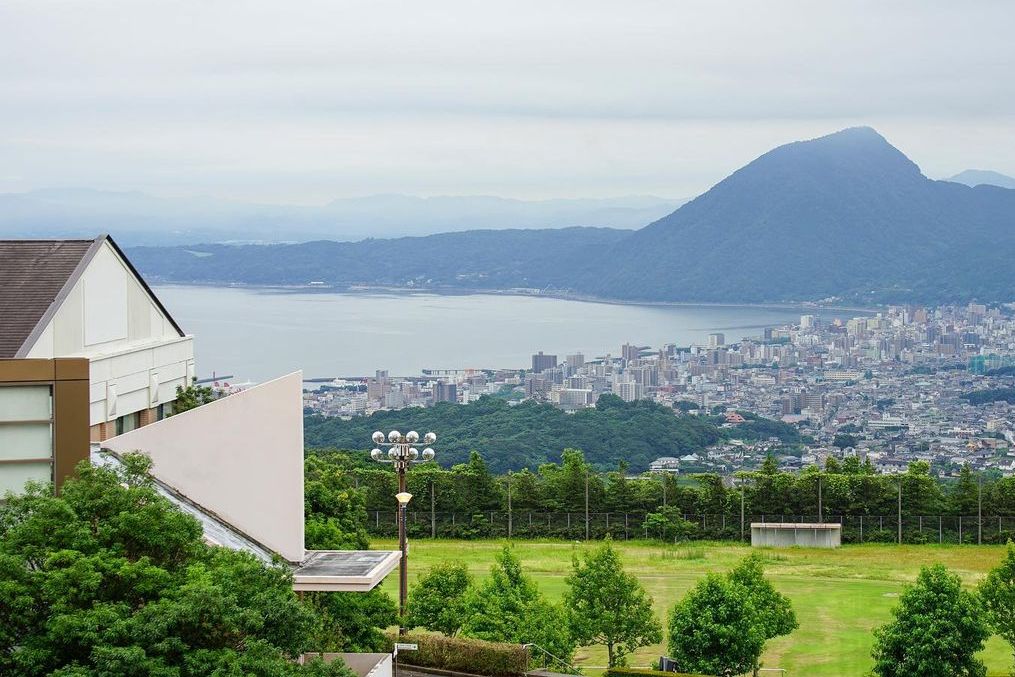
<point>628,526</point>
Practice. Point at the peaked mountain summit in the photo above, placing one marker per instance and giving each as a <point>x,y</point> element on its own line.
<point>846,215</point>
<point>980,177</point>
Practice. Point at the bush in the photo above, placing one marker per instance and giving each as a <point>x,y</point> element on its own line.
<point>644,672</point>
<point>461,654</point>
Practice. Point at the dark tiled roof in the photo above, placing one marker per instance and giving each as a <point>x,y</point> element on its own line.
<point>32,275</point>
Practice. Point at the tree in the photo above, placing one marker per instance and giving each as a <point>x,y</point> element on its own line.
<point>508,607</point>
<point>110,578</point>
<point>192,397</point>
<point>936,631</point>
<point>437,601</point>
<point>843,440</point>
<point>335,513</point>
<point>713,630</point>
<point>607,606</point>
<point>964,496</point>
<point>774,612</point>
<point>354,621</point>
<point>997,592</point>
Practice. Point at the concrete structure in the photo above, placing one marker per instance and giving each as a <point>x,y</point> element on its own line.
<point>361,664</point>
<point>236,465</point>
<point>788,534</point>
<point>43,420</point>
<point>83,298</point>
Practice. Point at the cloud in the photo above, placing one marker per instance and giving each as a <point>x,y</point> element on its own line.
<point>307,101</point>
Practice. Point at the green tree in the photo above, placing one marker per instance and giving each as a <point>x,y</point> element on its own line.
<point>964,496</point>
<point>192,397</point>
<point>606,605</point>
<point>997,592</point>
<point>354,621</point>
<point>936,630</point>
<point>774,612</point>
<point>437,601</point>
<point>508,607</point>
<point>109,578</point>
<point>843,440</point>
<point>713,630</point>
<point>335,512</point>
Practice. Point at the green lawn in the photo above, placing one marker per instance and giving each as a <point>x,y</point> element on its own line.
<point>839,595</point>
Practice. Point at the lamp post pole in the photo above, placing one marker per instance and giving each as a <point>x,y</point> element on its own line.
<point>401,453</point>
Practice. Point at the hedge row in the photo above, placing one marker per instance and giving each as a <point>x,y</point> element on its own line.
<point>461,654</point>
<point>645,672</point>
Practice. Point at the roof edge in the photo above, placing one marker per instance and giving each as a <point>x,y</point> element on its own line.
<point>47,316</point>
<point>79,270</point>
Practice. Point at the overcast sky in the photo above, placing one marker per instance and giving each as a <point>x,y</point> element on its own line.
<point>299,101</point>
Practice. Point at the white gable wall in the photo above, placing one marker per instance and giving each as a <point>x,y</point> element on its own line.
<point>136,356</point>
<point>240,457</point>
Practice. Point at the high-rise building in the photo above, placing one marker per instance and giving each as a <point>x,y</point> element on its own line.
<point>445,392</point>
<point>541,362</point>
<point>806,322</point>
<point>576,360</point>
<point>716,340</point>
<point>629,353</point>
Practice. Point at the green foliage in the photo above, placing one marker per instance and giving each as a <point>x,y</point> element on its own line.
<point>437,600</point>
<point>607,606</point>
<point>530,434</point>
<point>109,578</point>
<point>353,621</point>
<point>645,672</point>
<point>191,397</point>
<point>997,593</point>
<point>668,525</point>
<point>990,395</point>
<point>844,440</point>
<point>773,610</point>
<point>722,624</point>
<point>508,607</point>
<point>713,629</point>
<point>936,631</point>
<point>335,512</point>
<point>462,654</point>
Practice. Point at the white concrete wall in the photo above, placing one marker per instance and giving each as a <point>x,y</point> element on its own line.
<point>240,457</point>
<point>137,357</point>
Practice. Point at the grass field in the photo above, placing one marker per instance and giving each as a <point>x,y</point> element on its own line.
<point>839,595</point>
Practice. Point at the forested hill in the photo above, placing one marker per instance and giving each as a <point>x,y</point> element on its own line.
<point>847,216</point>
<point>529,434</point>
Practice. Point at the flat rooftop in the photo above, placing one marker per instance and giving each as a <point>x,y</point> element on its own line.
<point>351,570</point>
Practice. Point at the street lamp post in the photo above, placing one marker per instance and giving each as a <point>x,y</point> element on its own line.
<point>401,453</point>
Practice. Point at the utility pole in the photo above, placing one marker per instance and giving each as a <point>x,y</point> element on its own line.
<point>433,513</point>
<point>741,513</point>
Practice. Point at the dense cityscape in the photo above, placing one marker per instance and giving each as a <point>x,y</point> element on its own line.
<point>887,386</point>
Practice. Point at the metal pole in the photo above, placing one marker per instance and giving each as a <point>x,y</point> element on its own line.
<point>979,510</point>
<point>403,568</point>
<point>741,513</point>
<point>586,505</point>
<point>900,511</point>
<point>510,516</point>
<point>433,514</point>
<point>821,518</point>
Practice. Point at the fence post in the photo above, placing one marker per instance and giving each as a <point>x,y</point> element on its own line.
<point>433,514</point>
<point>627,536</point>
<point>510,516</point>
<point>979,510</point>
<point>900,511</point>
<point>960,529</point>
<point>939,531</point>
<point>586,505</point>
<point>741,513</point>
<point>861,528</point>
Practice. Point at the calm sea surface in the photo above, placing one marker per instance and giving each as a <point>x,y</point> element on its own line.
<point>258,334</point>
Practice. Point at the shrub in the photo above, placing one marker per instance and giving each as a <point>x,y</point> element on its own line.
<point>496,659</point>
<point>644,672</point>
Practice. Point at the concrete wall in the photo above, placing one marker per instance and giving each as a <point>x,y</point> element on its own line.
<point>137,356</point>
<point>801,535</point>
<point>240,457</point>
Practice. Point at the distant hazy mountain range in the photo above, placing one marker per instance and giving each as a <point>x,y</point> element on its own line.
<point>845,217</point>
<point>983,177</point>
<point>137,218</point>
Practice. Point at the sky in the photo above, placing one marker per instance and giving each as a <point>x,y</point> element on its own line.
<point>302,102</point>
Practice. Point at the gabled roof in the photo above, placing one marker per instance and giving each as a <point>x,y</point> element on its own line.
<point>35,276</point>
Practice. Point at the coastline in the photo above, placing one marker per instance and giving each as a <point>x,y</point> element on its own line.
<point>520,292</point>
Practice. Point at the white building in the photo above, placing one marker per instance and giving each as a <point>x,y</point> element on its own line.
<point>83,298</point>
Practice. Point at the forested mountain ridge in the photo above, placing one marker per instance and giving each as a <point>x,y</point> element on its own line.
<point>846,217</point>
<point>512,437</point>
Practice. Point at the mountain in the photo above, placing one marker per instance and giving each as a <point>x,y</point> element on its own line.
<point>137,218</point>
<point>983,177</point>
<point>846,216</point>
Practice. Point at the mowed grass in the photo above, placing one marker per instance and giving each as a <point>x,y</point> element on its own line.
<point>839,596</point>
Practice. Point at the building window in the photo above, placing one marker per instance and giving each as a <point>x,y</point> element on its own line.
<point>26,435</point>
<point>163,411</point>
<point>127,422</point>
